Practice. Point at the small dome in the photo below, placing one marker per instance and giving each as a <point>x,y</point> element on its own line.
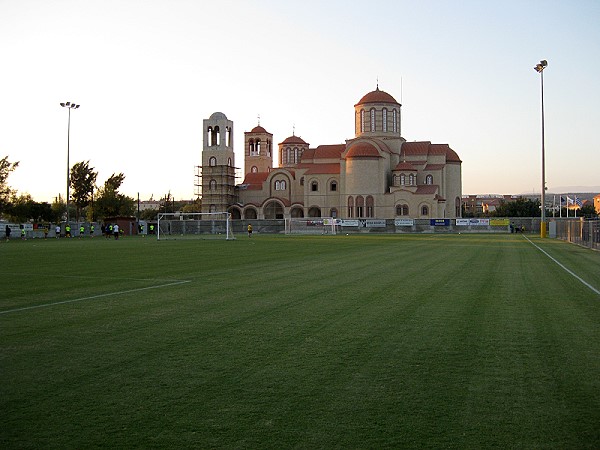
<point>294,140</point>
<point>218,116</point>
<point>258,129</point>
<point>362,150</point>
<point>377,96</point>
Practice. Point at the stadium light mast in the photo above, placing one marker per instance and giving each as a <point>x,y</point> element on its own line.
<point>69,106</point>
<point>539,67</point>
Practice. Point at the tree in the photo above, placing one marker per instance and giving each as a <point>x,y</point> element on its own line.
<point>23,208</point>
<point>520,207</point>
<point>83,180</point>
<point>110,202</point>
<point>6,167</point>
<point>588,211</point>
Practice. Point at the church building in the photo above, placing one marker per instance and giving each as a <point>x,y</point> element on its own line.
<point>377,174</point>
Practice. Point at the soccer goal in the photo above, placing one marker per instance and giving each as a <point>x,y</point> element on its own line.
<point>215,225</point>
<point>310,225</point>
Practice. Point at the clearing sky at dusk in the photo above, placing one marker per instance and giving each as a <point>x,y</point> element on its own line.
<point>146,74</point>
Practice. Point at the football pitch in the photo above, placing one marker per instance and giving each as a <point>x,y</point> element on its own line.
<point>395,341</point>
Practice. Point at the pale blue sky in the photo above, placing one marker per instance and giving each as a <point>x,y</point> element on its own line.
<point>147,72</point>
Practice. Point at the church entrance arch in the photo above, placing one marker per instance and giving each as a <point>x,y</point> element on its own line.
<point>297,212</point>
<point>273,210</point>
<point>314,212</point>
<point>250,214</point>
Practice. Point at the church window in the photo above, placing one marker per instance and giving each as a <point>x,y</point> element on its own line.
<point>370,206</point>
<point>257,150</point>
<point>288,155</point>
<point>314,186</point>
<point>384,121</point>
<point>295,155</point>
<point>360,206</point>
<point>212,185</point>
<point>394,121</point>
<point>402,210</point>
<point>216,137</point>
<point>269,147</point>
<point>302,181</point>
<point>213,208</point>
<point>429,179</point>
<point>402,179</point>
<point>209,133</point>
<point>424,210</point>
<point>362,120</point>
<point>372,119</point>
<point>212,162</point>
<point>350,207</point>
<point>227,136</point>
<point>333,186</point>
<point>254,169</point>
<point>333,213</point>
<point>411,180</point>
<point>229,162</point>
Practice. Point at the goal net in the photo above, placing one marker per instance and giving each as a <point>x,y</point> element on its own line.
<point>310,225</point>
<point>215,225</point>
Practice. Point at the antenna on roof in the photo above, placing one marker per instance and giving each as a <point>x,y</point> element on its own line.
<point>377,82</point>
<point>259,120</point>
<point>294,130</point>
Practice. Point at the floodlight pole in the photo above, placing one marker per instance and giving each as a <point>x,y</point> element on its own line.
<point>540,69</point>
<point>69,106</point>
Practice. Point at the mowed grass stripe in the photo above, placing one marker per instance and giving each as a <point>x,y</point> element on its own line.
<point>429,341</point>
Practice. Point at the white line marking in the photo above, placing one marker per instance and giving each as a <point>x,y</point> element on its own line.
<point>93,297</point>
<point>563,267</point>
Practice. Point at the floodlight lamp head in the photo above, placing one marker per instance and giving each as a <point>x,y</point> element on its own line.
<point>68,103</point>
<point>62,104</point>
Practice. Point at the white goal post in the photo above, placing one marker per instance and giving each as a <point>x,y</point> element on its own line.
<point>214,225</point>
<point>310,225</point>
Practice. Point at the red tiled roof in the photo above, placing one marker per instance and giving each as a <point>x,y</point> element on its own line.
<point>405,166</point>
<point>255,180</point>
<point>293,140</point>
<point>377,96</point>
<point>258,129</point>
<point>434,166</point>
<point>452,156</point>
<point>416,148</point>
<point>329,151</point>
<point>426,189</point>
<point>362,150</point>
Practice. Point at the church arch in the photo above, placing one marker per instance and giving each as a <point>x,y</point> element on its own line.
<point>273,210</point>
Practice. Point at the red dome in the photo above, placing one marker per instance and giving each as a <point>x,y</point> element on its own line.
<point>362,150</point>
<point>377,96</point>
<point>294,140</point>
<point>258,129</point>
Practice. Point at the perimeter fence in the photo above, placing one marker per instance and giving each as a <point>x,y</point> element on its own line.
<point>578,231</point>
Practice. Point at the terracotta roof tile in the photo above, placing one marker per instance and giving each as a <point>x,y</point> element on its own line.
<point>377,96</point>
<point>362,150</point>
<point>293,140</point>
<point>405,166</point>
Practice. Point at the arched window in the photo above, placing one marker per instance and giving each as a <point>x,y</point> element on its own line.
<point>425,210</point>
<point>350,207</point>
<point>372,119</point>
<point>288,155</point>
<point>229,162</point>
<point>402,179</point>
<point>333,213</point>
<point>362,120</point>
<point>277,185</point>
<point>333,186</point>
<point>212,185</point>
<point>360,206</point>
<point>402,210</point>
<point>411,180</point>
<point>209,136</point>
<point>405,210</point>
<point>251,147</point>
<point>283,185</point>
<point>314,186</point>
<point>394,121</point>
<point>384,120</point>
<point>227,136</point>
<point>295,155</point>
<point>212,162</point>
<point>370,206</point>
<point>216,137</point>
<point>254,169</point>
<point>429,179</point>
<point>257,147</point>
<point>269,147</point>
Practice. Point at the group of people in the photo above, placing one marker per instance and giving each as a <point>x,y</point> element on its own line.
<point>110,229</point>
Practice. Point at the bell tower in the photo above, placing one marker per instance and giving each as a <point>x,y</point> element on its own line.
<point>218,164</point>
<point>258,150</point>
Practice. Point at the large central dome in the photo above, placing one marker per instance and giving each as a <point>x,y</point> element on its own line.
<point>377,96</point>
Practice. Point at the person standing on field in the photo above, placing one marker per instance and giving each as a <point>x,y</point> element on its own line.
<point>81,231</point>
<point>7,231</point>
<point>116,231</point>
<point>249,230</point>
<point>57,231</point>
<point>91,230</point>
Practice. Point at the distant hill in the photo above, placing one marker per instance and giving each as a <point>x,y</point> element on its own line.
<point>574,189</point>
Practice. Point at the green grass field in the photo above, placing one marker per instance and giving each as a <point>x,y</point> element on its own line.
<point>428,341</point>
